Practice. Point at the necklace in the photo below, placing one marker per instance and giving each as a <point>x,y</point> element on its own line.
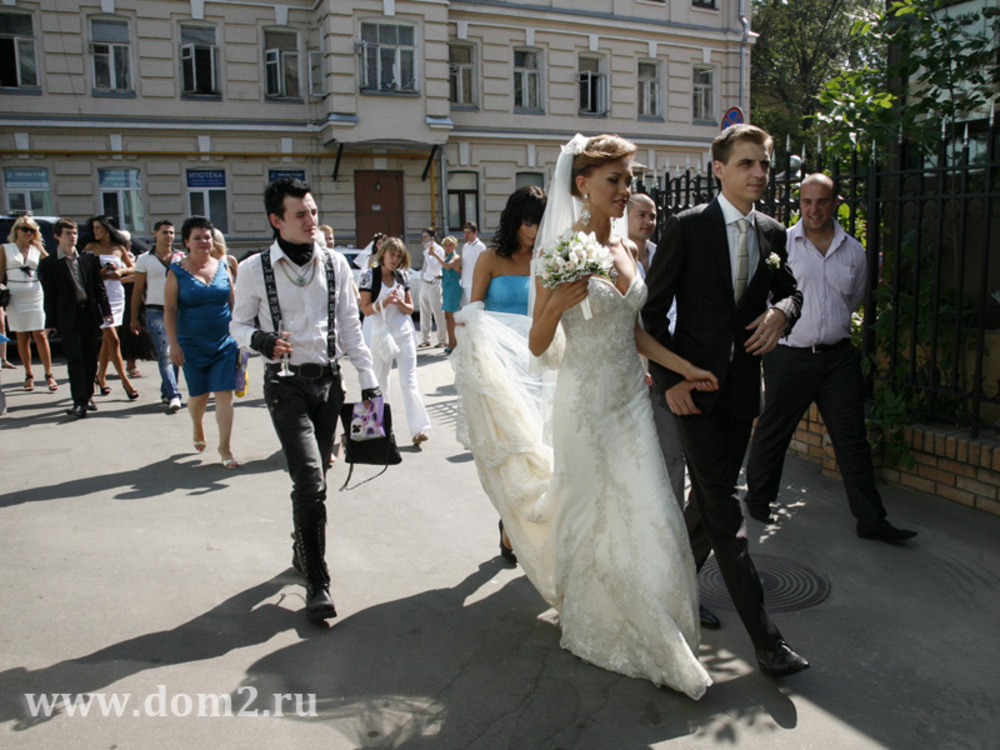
<point>299,279</point>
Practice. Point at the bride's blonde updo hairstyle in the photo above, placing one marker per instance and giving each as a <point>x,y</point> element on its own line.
<point>599,150</point>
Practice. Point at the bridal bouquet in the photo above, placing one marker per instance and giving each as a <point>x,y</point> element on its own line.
<point>575,255</point>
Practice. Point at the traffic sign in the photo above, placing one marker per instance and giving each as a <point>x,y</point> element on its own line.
<point>733,116</point>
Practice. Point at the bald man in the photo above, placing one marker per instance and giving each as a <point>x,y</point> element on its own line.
<point>817,362</point>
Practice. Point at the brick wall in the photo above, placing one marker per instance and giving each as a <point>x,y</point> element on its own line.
<point>949,464</point>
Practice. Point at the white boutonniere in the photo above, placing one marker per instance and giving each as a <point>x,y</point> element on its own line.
<point>773,261</point>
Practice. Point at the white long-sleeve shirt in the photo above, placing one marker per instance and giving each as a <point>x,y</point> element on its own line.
<point>304,310</point>
<point>832,286</point>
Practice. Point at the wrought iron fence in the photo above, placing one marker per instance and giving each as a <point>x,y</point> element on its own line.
<point>931,227</point>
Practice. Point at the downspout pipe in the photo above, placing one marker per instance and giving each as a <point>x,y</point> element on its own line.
<point>744,41</point>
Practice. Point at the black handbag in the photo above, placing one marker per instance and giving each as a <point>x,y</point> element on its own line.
<point>4,296</point>
<point>378,451</point>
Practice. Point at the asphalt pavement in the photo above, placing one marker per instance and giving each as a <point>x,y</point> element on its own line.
<point>146,575</point>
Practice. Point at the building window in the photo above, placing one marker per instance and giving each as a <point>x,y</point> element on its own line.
<point>18,64</point>
<point>705,4</point>
<point>281,64</point>
<point>593,86</point>
<point>207,196</point>
<point>388,58</point>
<point>26,190</point>
<point>121,198</point>
<point>199,60</point>
<point>112,55</point>
<point>529,178</point>
<point>704,94</point>
<point>649,89</point>
<point>527,79</point>
<point>316,87</point>
<point>463,198</point>
<point>461,74</point>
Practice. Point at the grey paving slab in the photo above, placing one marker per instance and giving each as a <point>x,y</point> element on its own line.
<point>139,570</point>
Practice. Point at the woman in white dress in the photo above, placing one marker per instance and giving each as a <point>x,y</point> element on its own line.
<point>111,248</point>
<point>385,297</point>
<point>25,313</point>
<point>594,522</point>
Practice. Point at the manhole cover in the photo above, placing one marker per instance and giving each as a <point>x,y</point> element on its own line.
<point>788,586</point>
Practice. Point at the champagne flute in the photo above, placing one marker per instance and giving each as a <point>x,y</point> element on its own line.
<point>286,357</point>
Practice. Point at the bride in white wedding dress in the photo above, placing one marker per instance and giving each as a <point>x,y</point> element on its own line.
<point>602,538</point>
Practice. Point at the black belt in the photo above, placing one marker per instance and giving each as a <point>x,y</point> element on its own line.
<point>307,370</point>
<point>817,348</point>
<point>154,307</point>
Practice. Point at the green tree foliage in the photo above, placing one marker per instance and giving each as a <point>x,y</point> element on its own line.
<point>802,45</point>
<point>944,68</point>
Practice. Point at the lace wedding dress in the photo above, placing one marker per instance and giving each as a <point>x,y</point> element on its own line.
<point>599,533</point>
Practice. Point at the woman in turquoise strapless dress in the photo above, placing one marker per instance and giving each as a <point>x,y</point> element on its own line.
<point>501,284</point>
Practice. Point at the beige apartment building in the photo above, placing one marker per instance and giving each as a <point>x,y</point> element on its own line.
<point>399,113</point>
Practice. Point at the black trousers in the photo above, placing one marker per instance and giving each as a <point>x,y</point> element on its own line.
<point>80,345</point>
<point>794,378</point>
<point>304,413</point>
<point>714,446</point>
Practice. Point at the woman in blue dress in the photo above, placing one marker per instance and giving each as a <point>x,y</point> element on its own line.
<point>198,297</point>
<point>500,286</point>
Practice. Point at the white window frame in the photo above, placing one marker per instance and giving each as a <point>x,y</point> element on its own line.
<point>649,90</point>
<point>189,57</point>
<point>457,73</point>
<point>592,86</point>
<point>703,107</point>
<point>205,195</point>
<point>317,79</point>
<point>529,178</point>
<point>524,76</point>
<point>34,198</point>
<point>114,51</point>
<point>128,207</point>
<point>25,50</point>
<point>279,65</point>
<point>463,199</point>
<point>374,75</point>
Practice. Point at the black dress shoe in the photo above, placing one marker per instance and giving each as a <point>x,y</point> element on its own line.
<point>91,406</point>
<point>780,661</point>
<point>759,509</point>
<point>886,532</point>
<point>77,411</point>
<point>319,605</point>
<point>708,620</point>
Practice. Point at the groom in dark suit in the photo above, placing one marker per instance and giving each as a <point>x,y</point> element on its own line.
<point>75,303</point>
<point>723,262</point>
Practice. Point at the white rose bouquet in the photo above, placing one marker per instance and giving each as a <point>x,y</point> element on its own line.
<point>575,255</point>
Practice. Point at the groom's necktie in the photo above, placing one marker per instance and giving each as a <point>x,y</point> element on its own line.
<point>742,259</point>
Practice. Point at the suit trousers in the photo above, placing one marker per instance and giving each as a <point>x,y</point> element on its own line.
<point>714,446</point>
<point>304,413</point>
<point>80,345</point>
<point>670,443</point>
<point>832,378</point>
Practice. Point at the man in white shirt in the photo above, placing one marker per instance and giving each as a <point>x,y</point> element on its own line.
<point>641,226</point>
<point>430,292</point>
<point>817,362</point>
<point>471,251</point>
<point>293,277</point>
<point>150,277</point>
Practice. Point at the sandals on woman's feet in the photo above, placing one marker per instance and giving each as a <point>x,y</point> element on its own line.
<point>105,390</point>
<point>50,379</point>
<point>29,383</point>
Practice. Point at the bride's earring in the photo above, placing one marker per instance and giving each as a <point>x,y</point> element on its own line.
<point>585,213</point>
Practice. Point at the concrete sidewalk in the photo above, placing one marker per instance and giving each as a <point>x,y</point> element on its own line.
<point>135,568</point>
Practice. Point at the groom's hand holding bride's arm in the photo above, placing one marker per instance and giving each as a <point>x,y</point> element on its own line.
<point>550,304</point>
<point>679,396</point>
